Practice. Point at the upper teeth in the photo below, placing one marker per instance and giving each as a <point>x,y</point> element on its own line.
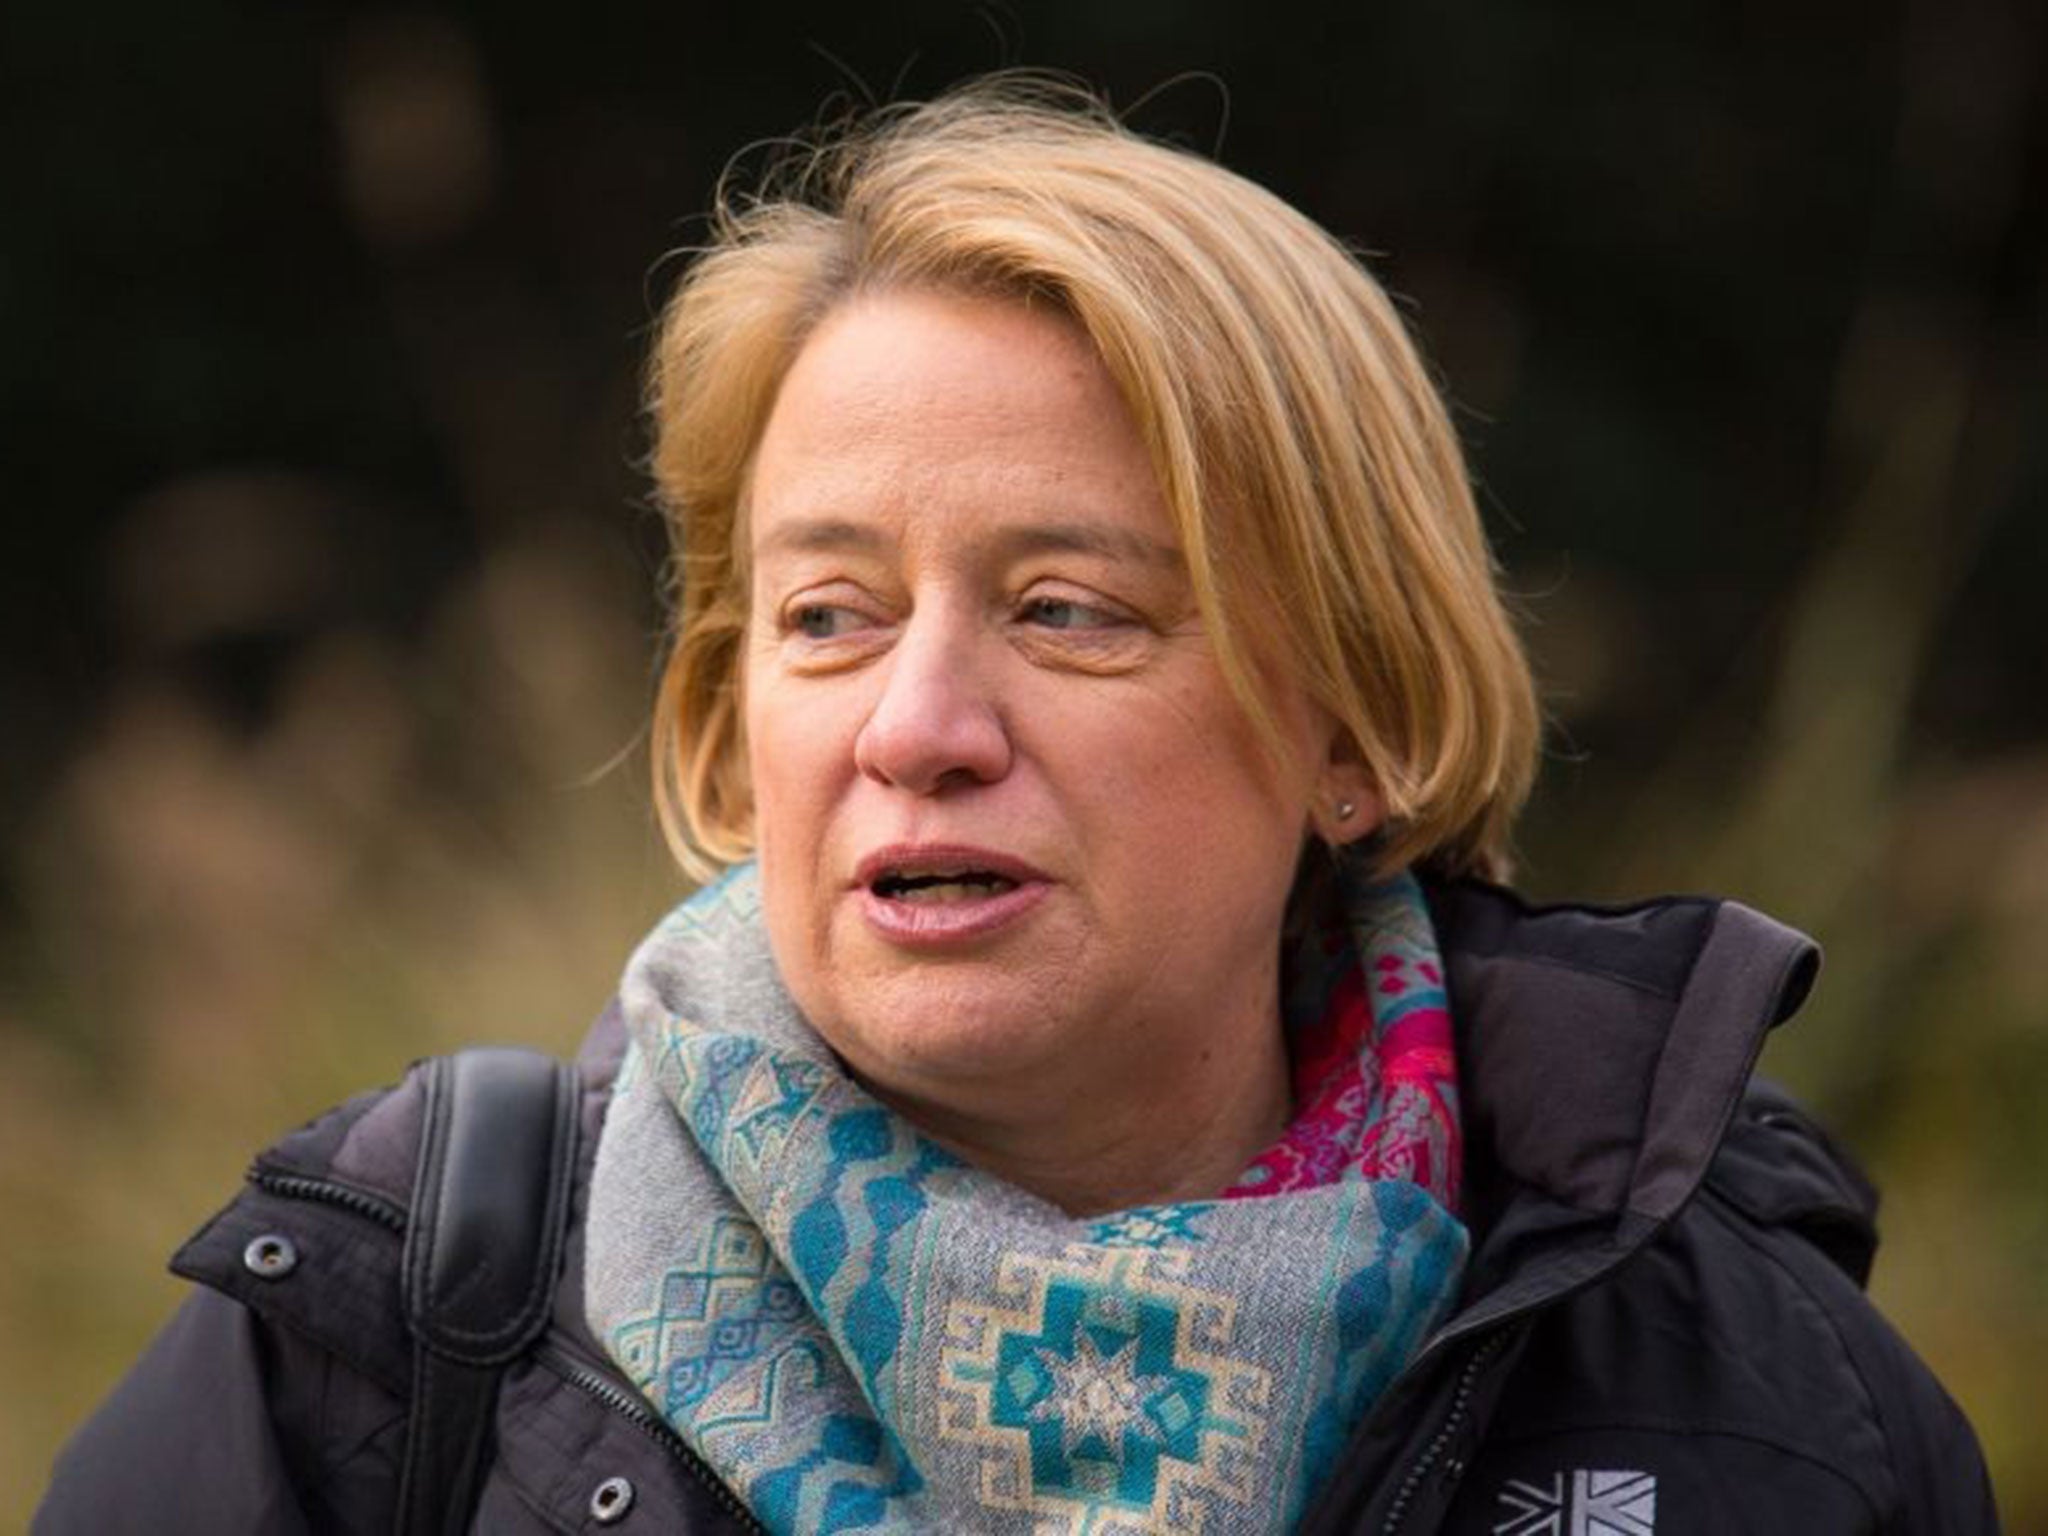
<point>908,882</point>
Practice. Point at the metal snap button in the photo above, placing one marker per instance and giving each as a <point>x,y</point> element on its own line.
<point>270,1257</point>
<point>614,1496</point>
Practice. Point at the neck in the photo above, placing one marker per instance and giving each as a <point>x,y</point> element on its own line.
<point>1156,1138</point>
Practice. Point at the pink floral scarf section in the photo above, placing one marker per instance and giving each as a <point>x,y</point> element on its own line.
<point>1369,1034</point>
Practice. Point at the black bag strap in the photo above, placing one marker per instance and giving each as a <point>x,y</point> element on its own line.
<point>482,1250</point>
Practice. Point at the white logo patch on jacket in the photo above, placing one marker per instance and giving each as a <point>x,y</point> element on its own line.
<point>1594,1504</point>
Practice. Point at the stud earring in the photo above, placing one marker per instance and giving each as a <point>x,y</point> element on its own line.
<point>1345,810</point>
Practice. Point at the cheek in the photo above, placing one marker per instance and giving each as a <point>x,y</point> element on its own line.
<point>789,747</point>
<point>1213,743</point>
<point>786,831</point>
<point>780,766</point>
<point>1177,769</point>
<point>800,760</point>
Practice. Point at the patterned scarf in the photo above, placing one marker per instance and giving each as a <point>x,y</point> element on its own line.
<point>858,1331</point>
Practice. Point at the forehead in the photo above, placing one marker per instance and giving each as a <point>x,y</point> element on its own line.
<point>928,411</point>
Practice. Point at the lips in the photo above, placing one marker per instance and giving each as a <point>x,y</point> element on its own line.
<point>931,895</point>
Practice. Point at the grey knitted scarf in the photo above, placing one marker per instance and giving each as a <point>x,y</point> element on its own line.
<point>858,1331</point>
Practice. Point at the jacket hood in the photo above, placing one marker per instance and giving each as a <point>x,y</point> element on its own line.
<point>1603,1052</point>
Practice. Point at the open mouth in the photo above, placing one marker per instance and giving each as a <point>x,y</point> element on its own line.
<point>931,888</point>
<point>935,898</point>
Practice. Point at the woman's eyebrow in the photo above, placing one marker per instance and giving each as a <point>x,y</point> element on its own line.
<point>812,534</point>
<point>1088,539</point>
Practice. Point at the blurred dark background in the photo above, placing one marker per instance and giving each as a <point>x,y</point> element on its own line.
<point>330,609</point>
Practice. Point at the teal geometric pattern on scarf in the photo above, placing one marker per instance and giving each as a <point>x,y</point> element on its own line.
<point>858,1331</point>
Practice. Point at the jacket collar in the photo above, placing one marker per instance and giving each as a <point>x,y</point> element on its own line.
<point>1602,1054</point>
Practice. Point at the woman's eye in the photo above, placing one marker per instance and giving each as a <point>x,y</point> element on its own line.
<point>1066,613</point>
<point>823,621</point>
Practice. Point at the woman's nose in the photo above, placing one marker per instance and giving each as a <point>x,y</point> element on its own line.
<point>935,724</point>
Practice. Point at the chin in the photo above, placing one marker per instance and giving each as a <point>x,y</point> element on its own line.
<point>948,1035</point>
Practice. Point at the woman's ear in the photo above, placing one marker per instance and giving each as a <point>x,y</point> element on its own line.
<point>1347,803</point>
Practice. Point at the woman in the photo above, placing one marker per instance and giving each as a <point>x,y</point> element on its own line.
<point>1098,1090</point>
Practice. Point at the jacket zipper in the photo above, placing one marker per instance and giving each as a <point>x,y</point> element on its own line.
<point>1491,1334</point>
<point>1461,1404</point>
<point>652,1425</point>
<point>325,1191</point>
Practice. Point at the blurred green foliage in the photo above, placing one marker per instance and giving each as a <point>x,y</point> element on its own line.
<point>331,612</point>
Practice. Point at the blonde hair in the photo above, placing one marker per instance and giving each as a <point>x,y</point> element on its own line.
<point>1318,489</point>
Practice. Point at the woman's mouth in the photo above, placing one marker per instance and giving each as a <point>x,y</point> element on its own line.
<point>929,898</point>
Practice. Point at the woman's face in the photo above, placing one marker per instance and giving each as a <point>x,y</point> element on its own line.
<point>1015,833</point>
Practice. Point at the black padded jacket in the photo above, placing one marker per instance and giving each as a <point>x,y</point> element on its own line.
<point>1662,1330</point>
